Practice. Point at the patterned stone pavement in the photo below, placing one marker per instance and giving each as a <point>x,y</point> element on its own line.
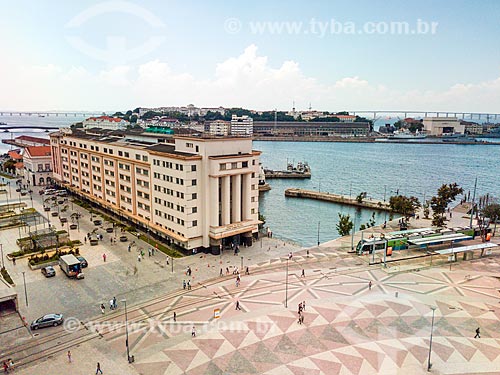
<point>348,328</point>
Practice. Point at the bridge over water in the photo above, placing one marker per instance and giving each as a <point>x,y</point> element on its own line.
<point>50,114</point>
<point>471,116</point>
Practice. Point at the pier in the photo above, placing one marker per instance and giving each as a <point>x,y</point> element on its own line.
<point>372,204</point>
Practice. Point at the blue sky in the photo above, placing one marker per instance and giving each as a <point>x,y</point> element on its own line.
<point>194,57</point>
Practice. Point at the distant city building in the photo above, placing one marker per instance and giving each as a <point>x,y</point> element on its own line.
<point>472,127</point>
<point>219,127</point>
<point>37,165</point>
<point>443,125</point>
<point>199,192</point>
<point>311,129</point>
<point>242,126</point>
<point>105,122</point>
<point>190,110</point>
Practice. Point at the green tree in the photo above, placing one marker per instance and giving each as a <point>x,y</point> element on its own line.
<point>407,206</point>
<point>492,211</point>
<point>344,225</point>
<point>361,196</point>
<point>445,195</point>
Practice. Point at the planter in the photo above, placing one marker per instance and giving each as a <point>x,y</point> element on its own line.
<point>94,242</point>
<point>109,230</point>
<point>46,208</point>
<point>55,213</point>
<point>45,264</point>
<point>73,226</point>
<point>123,239</point>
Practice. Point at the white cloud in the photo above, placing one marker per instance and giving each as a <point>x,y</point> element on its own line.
<point>247,80</point>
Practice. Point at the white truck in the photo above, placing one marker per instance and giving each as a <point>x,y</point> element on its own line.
<point>71,266</point>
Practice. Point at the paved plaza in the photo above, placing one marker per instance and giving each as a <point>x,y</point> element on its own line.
<point>348,328</point>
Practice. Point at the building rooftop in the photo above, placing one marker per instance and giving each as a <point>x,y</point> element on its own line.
<point>37,151</point>
<point>28,138</point>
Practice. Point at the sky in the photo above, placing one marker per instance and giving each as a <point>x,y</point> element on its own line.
<point>331,55</point>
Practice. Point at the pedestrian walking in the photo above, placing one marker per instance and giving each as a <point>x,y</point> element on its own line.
<point>102,308</point>
<point>220,274</point>
<point>149,252</point>
<point>85,240</point>
<point>189,284</point>
<point>168,260</point>
<point>98,369</point>
<point>69,356</point>
<point>300,307</point>
<point>303,273</point>
<point>111,305</point>
<point>370,285</point>
<point>300,318</point>
<point>227,270</point>
<point>193,332</point>
<point>142,254</point>
<point>303,305</point>
<point>115,305</point>
<point>175,316</point>
<point>104,257</point>
<point>478,333</point>
<point>13,261</point>
<point>139,257</point>
<point>183,284</point>
<point>153,251</point>
<point>307,252</point>
<point>247,271</point>
<point>238,305</point>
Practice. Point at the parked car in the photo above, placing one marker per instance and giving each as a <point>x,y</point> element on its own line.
<point>83,261</point>
<point>48,320</point>
<point>48,271</point>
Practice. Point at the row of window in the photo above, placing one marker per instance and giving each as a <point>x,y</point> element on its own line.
<point>234,165</point>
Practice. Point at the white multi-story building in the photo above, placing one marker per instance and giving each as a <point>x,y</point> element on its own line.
<point>105,122</point>
<point>37,165</point>
<point>443,125</point>
<point>219,128</point>
<point>242,126</point>
<point>195,193</point>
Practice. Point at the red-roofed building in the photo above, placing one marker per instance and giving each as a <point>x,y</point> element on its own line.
<point>26,140</point>
<point>106,122</point>
<point>37,165</point>
<point>15,155</point>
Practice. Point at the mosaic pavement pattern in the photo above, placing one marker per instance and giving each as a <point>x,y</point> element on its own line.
<point>348,328</point>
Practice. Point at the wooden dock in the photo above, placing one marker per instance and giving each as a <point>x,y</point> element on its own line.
<point>372,204</point>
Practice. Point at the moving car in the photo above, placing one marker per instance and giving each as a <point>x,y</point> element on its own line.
<point>49,320</point>
<point>83,261</point>
<point>48,271</point>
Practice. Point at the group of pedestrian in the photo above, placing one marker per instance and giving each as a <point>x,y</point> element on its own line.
<point>8,365</point>
<point>113,305</point>
<point>151,252</point>
<point>186,284</point>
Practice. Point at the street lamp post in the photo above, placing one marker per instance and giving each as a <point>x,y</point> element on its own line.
<point>429,364</point>
<point>286,285</point>
<point>25,291</point>
<point>319,223</point>
<point>352,234</point>
<point>130,359</point>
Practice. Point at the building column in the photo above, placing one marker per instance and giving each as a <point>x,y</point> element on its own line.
<point>226,199</point>
<point>246,197</point>
<point>236,202</point>
<point>214,201</point>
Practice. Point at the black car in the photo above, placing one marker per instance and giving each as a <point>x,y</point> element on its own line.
<point>83,261</point>
<point>48,320</point>
<point>48,271</point>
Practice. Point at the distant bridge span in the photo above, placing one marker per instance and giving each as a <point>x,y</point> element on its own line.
<point>10,127</point>
<point>405,114</point>
<point>49,114</point>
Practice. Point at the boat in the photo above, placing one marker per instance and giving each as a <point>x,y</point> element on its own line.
<point>301,170</point>
<point>456,137</point>
<point>41,115</point>
<point>406,134</point>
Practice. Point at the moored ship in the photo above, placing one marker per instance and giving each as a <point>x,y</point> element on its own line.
<point>301,170</point>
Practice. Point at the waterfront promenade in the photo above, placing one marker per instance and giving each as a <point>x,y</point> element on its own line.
<point>349,328</point>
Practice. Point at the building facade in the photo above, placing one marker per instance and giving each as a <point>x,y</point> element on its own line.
<point>443,125</point>
<point>195,193</point>
<point>37,166</point>
<point>311,129</point>
<point>105,122</point>
<point>242,126</point>
<point>219,128</point>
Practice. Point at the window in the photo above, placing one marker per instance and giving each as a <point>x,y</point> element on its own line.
<point>144,158</point>
<point>189,145</point>
<point>244,164</point>
<point>193,183</point>
<point>195,223</point>
<point>222,166</point>
<point>194,210</point>
<point>137,157</point>
<point>194,196</point>
<point>193,168</point>
<point>234,165</point>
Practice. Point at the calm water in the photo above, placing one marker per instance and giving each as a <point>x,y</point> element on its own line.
<point>345,168</point>
<point>350,168</point>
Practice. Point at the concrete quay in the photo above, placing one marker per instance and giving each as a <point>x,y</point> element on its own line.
<point>337,198</point>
